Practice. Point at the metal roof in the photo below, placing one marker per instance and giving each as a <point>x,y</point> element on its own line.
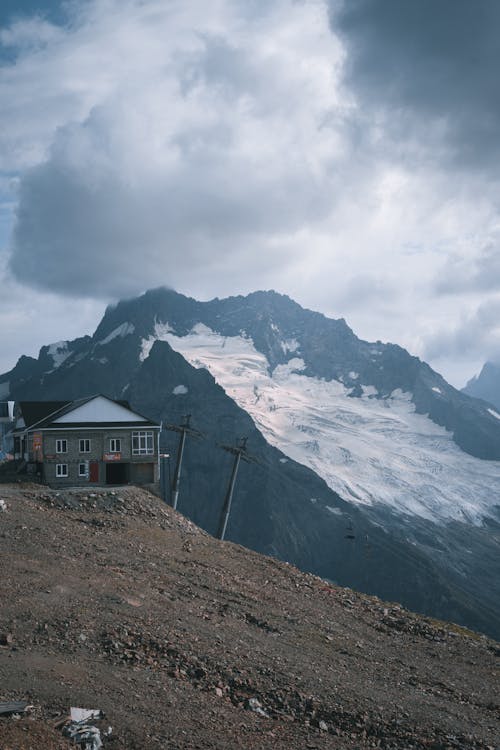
<point>42,414</point>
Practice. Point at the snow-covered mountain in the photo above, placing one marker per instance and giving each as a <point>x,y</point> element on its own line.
<point>369,449</point>
<point>372,469</point>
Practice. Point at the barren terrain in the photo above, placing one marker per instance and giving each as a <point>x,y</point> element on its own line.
<point>112,600</point>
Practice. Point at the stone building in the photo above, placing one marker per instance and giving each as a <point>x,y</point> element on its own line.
<point>94,440</point>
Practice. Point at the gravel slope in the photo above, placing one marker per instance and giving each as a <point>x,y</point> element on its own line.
<point>114,601</point>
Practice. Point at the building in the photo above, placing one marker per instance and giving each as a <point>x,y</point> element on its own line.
<point>93,440</point>
<point>6,424</point>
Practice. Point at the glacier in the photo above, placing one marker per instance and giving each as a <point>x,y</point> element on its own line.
<point>368,449</point>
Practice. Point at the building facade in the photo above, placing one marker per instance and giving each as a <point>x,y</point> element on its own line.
<point>6,424</point>
<point>93,441</point>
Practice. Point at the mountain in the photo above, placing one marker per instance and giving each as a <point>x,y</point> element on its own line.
<point>371,470</point>
<point>486,385</point>
<point>116,602</point>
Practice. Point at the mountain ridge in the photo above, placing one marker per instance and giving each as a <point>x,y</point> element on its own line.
<point>385,366</point>
<point>284,507</point>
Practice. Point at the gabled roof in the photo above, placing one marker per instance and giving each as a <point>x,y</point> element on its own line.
<point>92,411</point>
<point>34,411</point>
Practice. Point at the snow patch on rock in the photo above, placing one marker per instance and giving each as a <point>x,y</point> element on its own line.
<point>59,352</point>
<point>180,390</point>
<point>494,413</point>
<point>160,333</point>
<point>125,329</point>
<point>289,346</point>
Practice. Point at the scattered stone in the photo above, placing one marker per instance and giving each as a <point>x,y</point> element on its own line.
<point>253,704</point>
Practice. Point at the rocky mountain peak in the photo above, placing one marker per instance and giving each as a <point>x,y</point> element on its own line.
<point>486,385</point>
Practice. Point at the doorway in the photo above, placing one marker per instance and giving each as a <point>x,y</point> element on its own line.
<point>93,471</point>
<point>117,473</point>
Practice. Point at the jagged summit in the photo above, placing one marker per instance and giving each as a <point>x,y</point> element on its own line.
<point>486,385</point>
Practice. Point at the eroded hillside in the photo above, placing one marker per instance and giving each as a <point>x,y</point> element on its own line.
<point>112,600</point>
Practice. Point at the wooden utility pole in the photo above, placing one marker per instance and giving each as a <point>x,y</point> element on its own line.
<point>240,454</point>
<point>183,429</point>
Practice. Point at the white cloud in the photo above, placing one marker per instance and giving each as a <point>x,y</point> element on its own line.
<point>28,320</point>
<point>213,147</point>
<point>200,139</point>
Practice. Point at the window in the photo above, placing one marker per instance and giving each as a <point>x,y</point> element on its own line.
<point>61,447</point>
<point>83,469</point>
<point>142,443</point>
<point>115,445</point>
<point>85,446</point>
<point>61,469</point>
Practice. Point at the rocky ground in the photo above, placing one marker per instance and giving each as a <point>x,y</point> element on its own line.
<point>111,600</point>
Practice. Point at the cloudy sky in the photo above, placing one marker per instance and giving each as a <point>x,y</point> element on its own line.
<point>344,153</point>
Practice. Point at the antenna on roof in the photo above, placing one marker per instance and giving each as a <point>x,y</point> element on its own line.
<point>183,429</point>
<point>239,452</point>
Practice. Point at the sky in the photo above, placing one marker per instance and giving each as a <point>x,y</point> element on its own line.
<point>345,153</point>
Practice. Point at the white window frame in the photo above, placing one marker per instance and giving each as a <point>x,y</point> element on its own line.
<point>85,472</point>
<point>85,442</point>
<point>115,445</point>
<point>141,439</point>
<point>61,445</point>
<point>61,471</point>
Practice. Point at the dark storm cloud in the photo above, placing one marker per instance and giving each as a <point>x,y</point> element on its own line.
<point>429,68</point>
<point>85,227</point>
<point>201,153</point>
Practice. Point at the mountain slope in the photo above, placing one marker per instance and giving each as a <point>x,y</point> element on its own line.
<point>117,602</point>
<point>379,497</point>
<point>279,328</point>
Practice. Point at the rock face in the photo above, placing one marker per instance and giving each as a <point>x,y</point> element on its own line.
<point>370,468</point>
<point>486,385</point>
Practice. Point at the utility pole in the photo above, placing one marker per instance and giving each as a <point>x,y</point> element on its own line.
<point>240,453</point>
<point>183,429</point>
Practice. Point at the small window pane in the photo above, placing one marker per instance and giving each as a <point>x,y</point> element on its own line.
<point>61,470</point>
<point>85,446</point>
<point>61,446</point>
